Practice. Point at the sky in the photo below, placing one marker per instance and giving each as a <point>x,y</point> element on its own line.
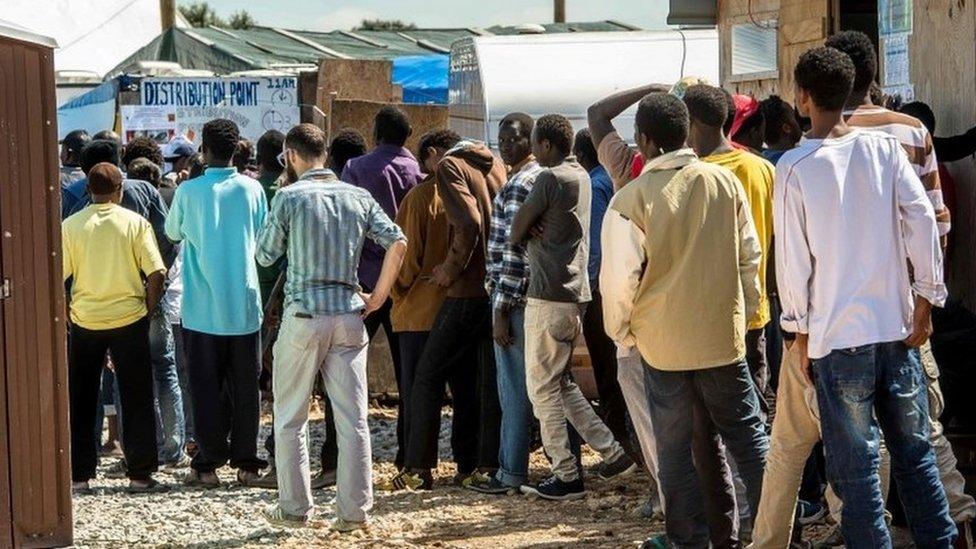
<point>344,14</point>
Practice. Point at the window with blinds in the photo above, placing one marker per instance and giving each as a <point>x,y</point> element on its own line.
<point>754,50</point>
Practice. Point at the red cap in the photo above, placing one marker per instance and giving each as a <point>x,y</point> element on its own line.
<point>745,106</point>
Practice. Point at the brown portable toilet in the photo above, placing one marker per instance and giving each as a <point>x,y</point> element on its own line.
<point>35,473</point>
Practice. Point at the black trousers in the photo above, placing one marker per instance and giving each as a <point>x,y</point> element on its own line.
<point>129,347</point>
<point>373,323</point>
<point>759,368</point>
<point>603,357</point>
<point>232,364</point>
<point>457,352</point>
<point>411,347</point>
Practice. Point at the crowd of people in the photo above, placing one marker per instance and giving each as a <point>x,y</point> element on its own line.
<point>753,281</point>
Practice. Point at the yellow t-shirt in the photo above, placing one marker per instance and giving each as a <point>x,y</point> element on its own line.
<point>756,175</point>
<point>108,249</point>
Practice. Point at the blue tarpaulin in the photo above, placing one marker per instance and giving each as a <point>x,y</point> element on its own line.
<point>422,77</point>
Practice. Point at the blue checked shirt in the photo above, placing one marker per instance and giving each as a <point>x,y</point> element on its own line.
<point>320,224</point>
<point>508,266</point>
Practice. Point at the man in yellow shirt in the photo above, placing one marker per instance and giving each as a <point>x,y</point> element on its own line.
<point>111,257</point>
<point>707,107</point>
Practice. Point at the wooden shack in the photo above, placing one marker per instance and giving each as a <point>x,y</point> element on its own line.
<point>35,477</point>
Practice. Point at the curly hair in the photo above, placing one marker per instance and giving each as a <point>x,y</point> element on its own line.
<point>663,118</point>
<point>142,147</point>
<point>860,49</point>
<point>391,126</point>
<point>583,146</point>
<point>776,112</point>
<point>525,122</point>
<point>827,74</point>
<point>146,170</point>
<point>346,145</point>
<point>220,137</point>
<point>556,129</point>
<point>707,105</point>
<point>438,139</point>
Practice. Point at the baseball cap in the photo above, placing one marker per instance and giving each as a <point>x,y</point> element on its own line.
<point>178,147</point>
<point>745,106</point>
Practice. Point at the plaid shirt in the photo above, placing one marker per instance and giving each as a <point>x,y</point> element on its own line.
<point>507,265</point>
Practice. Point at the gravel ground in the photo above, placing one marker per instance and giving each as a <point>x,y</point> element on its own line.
<point>444,517</point>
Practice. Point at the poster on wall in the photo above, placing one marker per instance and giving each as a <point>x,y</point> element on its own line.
<point>894,17</point>
<point>181,106</point>
<point>896,62</point>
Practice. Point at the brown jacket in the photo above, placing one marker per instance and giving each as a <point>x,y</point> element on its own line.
<point>467,180</point>
<point>416,299</point>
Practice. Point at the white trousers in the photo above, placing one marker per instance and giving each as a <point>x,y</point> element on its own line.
<point>335,346</point>
<point>630,375</point>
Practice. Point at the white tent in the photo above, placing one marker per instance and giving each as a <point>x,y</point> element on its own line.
<point>94,35</point>
<point>491,76</point>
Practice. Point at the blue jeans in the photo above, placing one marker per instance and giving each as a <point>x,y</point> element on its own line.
<point>516,428</point>
<point>729,397</point>
<point>170,422</point>
<point>184,382</point>
<point>859,389</point>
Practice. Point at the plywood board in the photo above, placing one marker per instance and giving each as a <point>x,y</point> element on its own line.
<point>358,115</point>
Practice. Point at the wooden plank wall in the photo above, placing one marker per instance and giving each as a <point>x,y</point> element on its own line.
<point>34,329</point>
<point>943,68</point>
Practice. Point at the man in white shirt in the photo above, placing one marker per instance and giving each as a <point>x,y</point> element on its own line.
<point>848,202</point>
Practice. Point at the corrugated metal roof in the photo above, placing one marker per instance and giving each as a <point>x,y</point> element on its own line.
<point>228,50</point>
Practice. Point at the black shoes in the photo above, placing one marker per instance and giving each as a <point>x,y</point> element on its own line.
<point>554,489</point>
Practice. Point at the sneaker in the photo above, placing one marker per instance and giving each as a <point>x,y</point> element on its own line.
<point>247,478</point>
<point>465,480</point>
<point>325,479</point>
<point>269,481</point>
<point>622,467</point>
<point>659,541</point>
<point>405,480</point>
<point>150,486</point>
<point>277,517</point>
<point>810,512</point>
<point>177,465</point>
<point>117,470</point>
<point>345,526</point>
<point>197,479</point>
<point>554,489</point>
<point>491,486</point>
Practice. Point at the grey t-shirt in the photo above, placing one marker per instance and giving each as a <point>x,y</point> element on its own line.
<point>559,204</point>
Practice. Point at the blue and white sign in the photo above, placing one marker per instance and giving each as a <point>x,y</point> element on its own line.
<point>181,106</point>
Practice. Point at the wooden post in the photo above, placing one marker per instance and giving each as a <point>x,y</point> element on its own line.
<point>167,14</point>
<point>559,11</point>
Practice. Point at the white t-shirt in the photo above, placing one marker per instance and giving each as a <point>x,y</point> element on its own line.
<point>849,214</point>
<point>172,302</point>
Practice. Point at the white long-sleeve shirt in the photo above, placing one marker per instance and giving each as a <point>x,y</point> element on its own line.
<point>849,214</point>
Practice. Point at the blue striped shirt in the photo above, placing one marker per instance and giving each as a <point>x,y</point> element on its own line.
<point>320,224</point>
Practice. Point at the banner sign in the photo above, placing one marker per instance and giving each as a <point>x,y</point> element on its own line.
<point>181,106</point>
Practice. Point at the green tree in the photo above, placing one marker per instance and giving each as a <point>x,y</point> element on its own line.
<point>241,20</point>
<point>200,14</point>
<point>385,25</point>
